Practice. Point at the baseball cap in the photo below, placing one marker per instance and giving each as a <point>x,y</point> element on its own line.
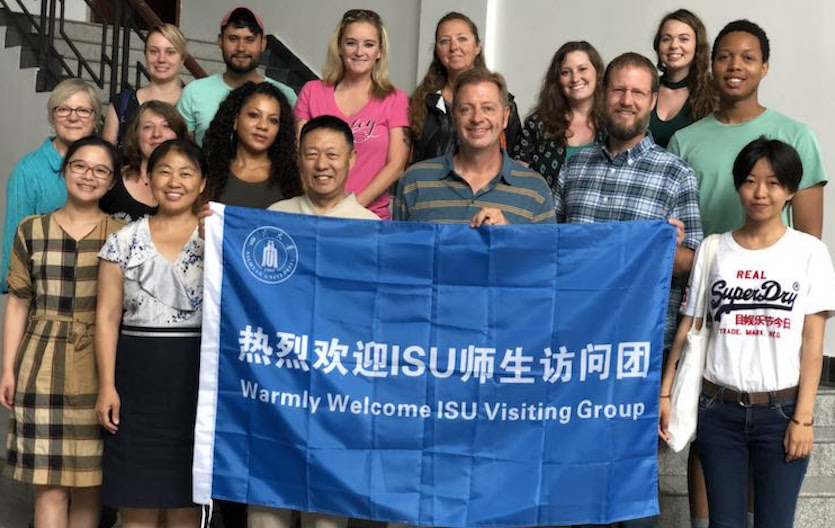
<point>243,15</point>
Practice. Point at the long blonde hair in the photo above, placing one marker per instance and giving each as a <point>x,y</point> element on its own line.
<point>335,69</point>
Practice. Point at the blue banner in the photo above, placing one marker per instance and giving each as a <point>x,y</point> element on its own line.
<point>432,374</point>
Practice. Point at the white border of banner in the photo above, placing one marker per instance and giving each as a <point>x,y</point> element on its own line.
<point>204,427</point>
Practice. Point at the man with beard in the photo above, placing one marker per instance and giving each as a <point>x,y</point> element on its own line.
<point>241,41</point>
<point>629,177</point>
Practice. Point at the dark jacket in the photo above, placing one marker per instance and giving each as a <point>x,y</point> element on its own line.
<point>438,136</point>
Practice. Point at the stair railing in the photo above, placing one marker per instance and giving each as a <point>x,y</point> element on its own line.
<point>41,33</point>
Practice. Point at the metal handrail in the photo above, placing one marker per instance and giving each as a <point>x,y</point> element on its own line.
<point>53,65</point>
<point>82,62</point>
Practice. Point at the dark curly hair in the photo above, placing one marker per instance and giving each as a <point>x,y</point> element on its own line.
<point>552,106</point>
<point>703,98</point>
<point>221,142</point>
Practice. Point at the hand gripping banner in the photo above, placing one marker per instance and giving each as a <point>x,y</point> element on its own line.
<point>432,374</point>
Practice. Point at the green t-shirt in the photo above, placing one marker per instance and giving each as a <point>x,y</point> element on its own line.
<point>711,147</point>
<point>201,98</point>
<point>571,150</point>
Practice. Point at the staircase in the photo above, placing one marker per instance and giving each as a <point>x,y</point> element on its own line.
<point>277,62</point>
<point>816,506</point>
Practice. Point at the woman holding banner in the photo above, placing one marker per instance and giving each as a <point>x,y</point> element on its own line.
<point>770,289</point>
<point>150,297</point>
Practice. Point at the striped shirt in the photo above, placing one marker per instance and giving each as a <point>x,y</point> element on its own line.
<point>431,191</point>
<point>643,183</point>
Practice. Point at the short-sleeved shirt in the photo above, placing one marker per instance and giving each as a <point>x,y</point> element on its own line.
<point>157,293</point>
<point>371,126</point>
<point>35,186</point>
<point>710,147</point>
<point>201,98</point>
<point>642,183</point>
<point>759,300</point>
<point>431,191</point>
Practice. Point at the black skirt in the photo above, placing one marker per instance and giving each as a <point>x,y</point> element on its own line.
<point>147,463</point>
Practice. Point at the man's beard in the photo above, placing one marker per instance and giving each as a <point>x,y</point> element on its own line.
<point>230,65</point>
<point>625,133</point>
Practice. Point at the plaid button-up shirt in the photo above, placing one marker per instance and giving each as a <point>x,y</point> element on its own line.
<point>643,183</point>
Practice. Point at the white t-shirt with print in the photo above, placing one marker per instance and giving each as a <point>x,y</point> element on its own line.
<point>758,300</point>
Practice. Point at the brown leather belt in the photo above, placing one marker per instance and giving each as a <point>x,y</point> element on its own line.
<point>748,398</point>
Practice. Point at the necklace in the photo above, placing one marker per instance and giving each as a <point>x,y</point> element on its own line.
<point>675,85</point>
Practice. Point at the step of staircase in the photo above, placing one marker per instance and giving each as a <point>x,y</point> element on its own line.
<point>816,505</point>
<point>86,39</point>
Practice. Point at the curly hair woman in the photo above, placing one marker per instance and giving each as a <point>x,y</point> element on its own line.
<point>686,93</point>
<point>251,148</point>
<point>569,110</point>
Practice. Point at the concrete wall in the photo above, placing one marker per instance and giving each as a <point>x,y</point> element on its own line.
<point>73,9</point>
<point>19,106</point>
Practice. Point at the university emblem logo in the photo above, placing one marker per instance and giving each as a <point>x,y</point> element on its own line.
<point>270,254</point>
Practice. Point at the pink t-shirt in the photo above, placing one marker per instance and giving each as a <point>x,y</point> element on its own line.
<point>371,127</point>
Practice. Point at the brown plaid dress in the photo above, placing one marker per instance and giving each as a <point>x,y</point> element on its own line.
<point>54,438</point>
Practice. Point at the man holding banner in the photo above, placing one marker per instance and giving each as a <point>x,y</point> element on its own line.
<point>326,155</point>
<point>632,178</point>
<point>479,183</point>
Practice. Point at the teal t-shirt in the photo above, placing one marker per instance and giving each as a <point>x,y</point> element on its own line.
<point>571,150</point>
<point>201,98</point>
<point>711,147</point>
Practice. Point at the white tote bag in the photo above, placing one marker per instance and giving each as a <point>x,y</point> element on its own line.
<point>684,397</point>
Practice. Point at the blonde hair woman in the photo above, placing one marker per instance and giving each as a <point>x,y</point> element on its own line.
<point>355,87</point>
<point>165,54</point>
<point>35,185</point>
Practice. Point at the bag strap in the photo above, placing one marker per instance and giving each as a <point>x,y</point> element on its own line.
<point>124,99</point>
<point>709,246</point>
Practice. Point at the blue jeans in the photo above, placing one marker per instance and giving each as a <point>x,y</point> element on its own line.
<point>735,440</point>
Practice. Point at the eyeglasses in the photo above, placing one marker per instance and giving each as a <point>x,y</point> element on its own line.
<point>83,112</point>
<point>80,168</point>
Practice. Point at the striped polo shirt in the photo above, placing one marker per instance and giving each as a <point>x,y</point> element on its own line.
<point>431,191</point>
